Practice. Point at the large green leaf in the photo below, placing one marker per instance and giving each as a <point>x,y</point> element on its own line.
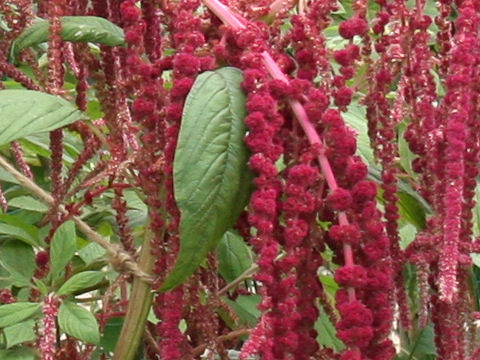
<point>11,314</point>
<point>18,353</point>
<point>18,259</point>
<point>78,322</point>
<point>75,29</point>
<point>62,248</point>
<point>16,226</point>
<point>26,112</point>
<point>17,233</point>
<point>19,333</point>
<point>211,176</point>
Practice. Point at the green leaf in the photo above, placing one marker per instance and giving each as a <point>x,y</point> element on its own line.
<point>410,209</point>
<point>407,234</point>
<point>12,225</point>
<point>41,286</point>
<point>327,335</point>
<point>406,156</point>
<point>17,233</point>
<point>424,343</point>
<point>19,333</point>
<point>78,322</point>
<point>25,112</point>
<point>245,306</point>
<point>28,203</point>
<point>234,256</point>
<point>329,285</point>
<point>356,118</point>
<point>22,353</point>
<point>211,176</point>
<point>5,281</point>
<point>7,177</point>
<point>81,281</point>
<point>91,252</point>
<point>111,333</point>
<point>18,259</point>
<point>75,29</point>
<point>62,248</point>
<point>475,258</point>
<point>11,314</point>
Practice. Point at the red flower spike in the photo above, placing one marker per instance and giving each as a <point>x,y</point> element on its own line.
<point>332,118</point>
<point>350,355</point>
<point>364,191</point>
<point>340,199</point>
<point>343,96</point>
<point>354,314</point>
<point>347,56</point>
<point>186,64</point>
<point>129,11</point>
<point>351,276</point>
<point>351,27</point>
<point>261,103</point>
<point>42,259</point>
<point>349,234</point>
<point>143,107</point>
<point>48,340</point>
<point>6,297</point>
<point>356,336</point>
<point>356,171</point>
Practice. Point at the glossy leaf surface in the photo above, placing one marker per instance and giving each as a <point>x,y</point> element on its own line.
<point>211,176</point>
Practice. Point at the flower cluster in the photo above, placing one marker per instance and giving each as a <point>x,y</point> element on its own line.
<point>264,123</point>
<point>299,306</point>
<point>48,341</point>
<point>383,116</point>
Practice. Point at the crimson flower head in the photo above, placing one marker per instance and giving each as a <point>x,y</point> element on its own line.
<point>353,26</point>
<point>347,56</point>
<point>345,234</point>
<point>129,11</point>
<point>339,199</point>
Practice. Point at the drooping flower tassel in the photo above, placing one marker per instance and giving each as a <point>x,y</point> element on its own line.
<point>48,340</point>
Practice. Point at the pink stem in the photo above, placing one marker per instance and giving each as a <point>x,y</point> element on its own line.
<point>224,14</point>
<point>232,20</point>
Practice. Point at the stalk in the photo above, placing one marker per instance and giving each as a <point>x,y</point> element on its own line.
<point>138,307</point>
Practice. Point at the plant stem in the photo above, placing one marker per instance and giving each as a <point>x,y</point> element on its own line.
<point>117,255</point>
<point>139,306</point>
